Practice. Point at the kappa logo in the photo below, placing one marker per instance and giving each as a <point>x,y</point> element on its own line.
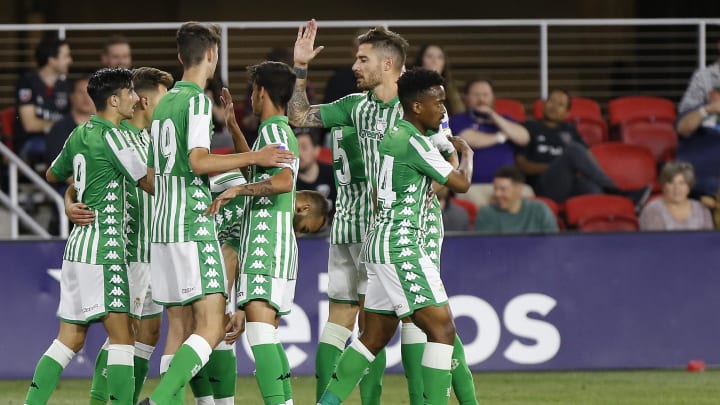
<point>432,217</point>
<point>110,221</point>
<point>197,181</point>
<point>415,288</point>
<point>198,194</point>
<point>239,211</point>
<point>112,255</point>
<point>116,279</point>
<point>264,201</point>
<point>413,188</point>
<point>409,200</point>
<point>405,252</point>
<point>201,219</point>
<point>227,213</point>
<point>405,222</point>
<point>260,239</point>
<point>113,184</point>
<point>211,273</point>
<point>112,242</point>
<point>411,276</point>
<point>262,213</point>
<point>433,229</point>
<point>259,252</point>
<point>202,231</point>
<point>432,244</point>
<point>406,211</point>
<point>257,264</point>
<point>200,206</point>
<point>116,303</point>
<point>259,279</point>
<point>262,226</point>
<point>403,241</point>
<point>110,197</point>
<point>259,290</point>
<point>210,261</point>
<point>407,266</point>
<point>208,248</point>
<point>116,267</point>
<point>420,299</point>
<point>403,231</point>
<point>213,284</point>
<point>117,291</point>
<point>196,369</point>
<point>111,231</point>
<point>433,255</point>
<point>110,209</point>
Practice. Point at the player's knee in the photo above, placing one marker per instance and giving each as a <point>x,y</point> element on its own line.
<point>441,333</point>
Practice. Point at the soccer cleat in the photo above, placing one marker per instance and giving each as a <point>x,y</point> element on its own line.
<point>145,401</point>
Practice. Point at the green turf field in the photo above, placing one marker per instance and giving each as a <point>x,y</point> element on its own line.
<point>613,387</point>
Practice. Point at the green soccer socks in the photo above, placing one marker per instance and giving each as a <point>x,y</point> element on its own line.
<point>98,389</point>
<point>47,373</point>
<point>412,346</point>
<point>120,374</point>
<point>268,363</point>
<point>330,346</point>
<point>462,379</point>
<point>188,360</point>
<point>348,372</point>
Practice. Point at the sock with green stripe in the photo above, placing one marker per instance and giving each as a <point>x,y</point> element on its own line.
<point>462,379</point>
<point>142,365</point>
<point>436,373</point>
<point>268,364</point>
<point>98,389</point>
<point>330,346</point>
<point>287,375</point>
<point>222,373</point>
<point>348,373</point>
<point>188,360</point>
<point>412,346</point>
<point>371,384</point>
<point>120,374</point>
<point>47,373</point>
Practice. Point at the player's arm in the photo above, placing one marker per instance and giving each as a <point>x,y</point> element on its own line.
<point>203,162</point>
<point>280,183</point>
<point>300,112</point>
<point>528,167</point>
<point>147,183</point>
<point>78,213</point>
<point>31,122</point>
<point>459,179</point>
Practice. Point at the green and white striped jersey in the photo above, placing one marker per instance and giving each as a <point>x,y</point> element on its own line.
<point>409,163</point>
<point>371,118</point>
<point>182,121</point>
<point>268,244</point>
<point>138,203</point>
<point>353,206</point>
<point>99,159</point>
<point>228,221</point>
<point>433,231</point>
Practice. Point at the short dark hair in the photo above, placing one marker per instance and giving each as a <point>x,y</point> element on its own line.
<point>194,39</point>
<point>115,39</point>
<point>46,49</point>
<point>148,78</point>
<point>471,82</point>
<point>277,78</point>
<point>106,82</point>
<point>311,132</point>
<point>413,83</point>
<point>567,93</point>
<point>386,41</point>
<point>321,204</point>
<point>510,172</point>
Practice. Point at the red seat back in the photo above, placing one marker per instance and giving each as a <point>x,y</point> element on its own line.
<point>580,107</point>
<point>611,223</point>
<point>554,207</point>
<point>325,155</point>
<point>631,167</point>
<point>593,131</point>
<point>513,108</point>
<point>585,207</point>
<point>7,125</point>
<point>658,136</point>
<point>648,108</point>
<point>469,207</point>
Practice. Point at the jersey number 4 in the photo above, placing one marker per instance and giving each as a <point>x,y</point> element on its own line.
<point>385,193</point>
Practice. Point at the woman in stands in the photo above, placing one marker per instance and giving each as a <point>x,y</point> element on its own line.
<point>433,57</point>
<point>674,210</point>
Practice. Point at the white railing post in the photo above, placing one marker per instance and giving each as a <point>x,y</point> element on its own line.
<point>224,56</point>
<point>543,59</point>
<point>13,179</point>
<point>62,33</point>
<point>702,39</point>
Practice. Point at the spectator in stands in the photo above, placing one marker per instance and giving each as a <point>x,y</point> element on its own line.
<point>674,210</point>
<point>454,217</point>
<point>343,81</point>
<point>699,142</point>
<point>313,175</point>
<point>116,52</point>
<point>43,98</point>
<point>433,57</point>
<point>492,136</point>
<point>702,82</point>
<point>510,212</point>
<point>221,139</point>
<point>81,107</point>
<point>557,161</point>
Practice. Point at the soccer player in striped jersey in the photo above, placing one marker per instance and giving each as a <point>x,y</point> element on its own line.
<point>187,267</point>
<point>94,283</point>
<point>402,279</point>
<point>378,64</point>
<point>150,85</point>
<point>268,258</point>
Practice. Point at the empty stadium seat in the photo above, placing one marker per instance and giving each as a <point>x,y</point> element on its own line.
<point>631,167</point>
<point>512,108</point>
<point>658,136</point>
<point>582,209</point>
<point>325,156</point>
<point>592,130</point>
<point>610,223</point>
<point>7,125</point>
<point>649,108</point>
<point>469,207</point>
<point>580,107</point>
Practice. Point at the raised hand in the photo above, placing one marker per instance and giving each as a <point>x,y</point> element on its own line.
<point>228,107</point>
<point>459,143</point>
<point>305,50</point>
<point>80,214</point>
<point>274,155</point>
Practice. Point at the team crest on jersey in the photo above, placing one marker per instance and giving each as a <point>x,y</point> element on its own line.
<point>381,125</point>
<point>25,95</point>
<point>61,101</point>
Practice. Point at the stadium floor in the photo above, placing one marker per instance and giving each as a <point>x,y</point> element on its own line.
<point>593,387</point>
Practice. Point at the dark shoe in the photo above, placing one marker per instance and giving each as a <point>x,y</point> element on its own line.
<point>145,401</point>
<point>640,197</point>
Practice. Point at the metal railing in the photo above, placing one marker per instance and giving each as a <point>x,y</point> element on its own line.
<point>12,201</point>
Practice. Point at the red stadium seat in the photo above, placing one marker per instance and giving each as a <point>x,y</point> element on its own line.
<point>222,151</point>
<point>580,107</point>
<point>7,125</point>
<point>582,208</point>
<point>512,108</point>
<point>469,207</point>
<point>649,108</point>
<point>610,223</point>
<point>325,155</point>
<point>554,207</point>
<point>658,136</point>
<point>592,130</point>
<point>631,167</point>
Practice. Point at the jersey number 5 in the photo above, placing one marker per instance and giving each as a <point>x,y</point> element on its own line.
<point>385,194</point>
<point>165,139</point>
<point>339,154</point>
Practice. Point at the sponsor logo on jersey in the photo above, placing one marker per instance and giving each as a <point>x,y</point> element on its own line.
<point>432,217</point>
<point>116,267</point>
<point>403,241</point>
<point>111,231</point>
<point>370,134</point>
<point>239,211</point>
<point>110,220</point>
<point>201,219</point>
<point>432,244</point>
<point>405,222</point>
<point>109,209</point>
<point>403,231</point>
<point>433,229</point>
<point>198,194</point>
<point>25,95</point>
<point>264,201</point>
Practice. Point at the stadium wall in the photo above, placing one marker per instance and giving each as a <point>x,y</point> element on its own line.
<point>582,301</point>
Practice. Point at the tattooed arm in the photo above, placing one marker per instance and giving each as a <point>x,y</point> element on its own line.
<point>300,112</point>
<point>277,184</point>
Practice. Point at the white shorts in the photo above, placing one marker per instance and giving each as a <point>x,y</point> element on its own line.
<point>141,303</point>
<point>182,272</point>
<point>347,277</point>
<point>278,292</point>
<point>402,288</point>
<point>88,292</point>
